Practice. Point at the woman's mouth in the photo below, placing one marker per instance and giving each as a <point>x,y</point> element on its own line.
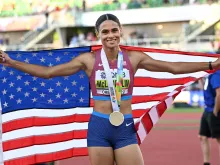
<point>111,41</point>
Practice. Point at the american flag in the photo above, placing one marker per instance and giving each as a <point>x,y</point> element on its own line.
<point>46,120</point>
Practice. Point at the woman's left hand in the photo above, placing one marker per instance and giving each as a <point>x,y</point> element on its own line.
<point>215,113</point>
<point>216,64</point>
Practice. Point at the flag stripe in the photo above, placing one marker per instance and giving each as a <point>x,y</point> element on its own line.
<point>44,139</point>
<point>165,75</point>
<point>30,131</point>
<point>39,121</point>
<point>43,149</point>
<point>33,159</point>
<point>44,113</point>
<point>152,91</point>
<point>153,82</point>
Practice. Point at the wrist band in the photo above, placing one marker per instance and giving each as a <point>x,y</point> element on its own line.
<point>210,65</point>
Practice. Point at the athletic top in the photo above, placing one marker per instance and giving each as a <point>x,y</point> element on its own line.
<point>99,84</point>
<point>212,82</point>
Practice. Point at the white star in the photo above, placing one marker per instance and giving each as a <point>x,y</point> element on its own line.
<point>5,104</point>
<point>81,75</point>
<point>74,83</point>
<point>34,100</point>
<point>58,84</point>
<point>58,95</point>
<point>42,95</point>
<point>34,89</point>
<point>18,55</point>
<point>81,100</point>
<point>50,90</point>
<point>66,53</point>
<point>4,80</point>
<point>3,68</point>
<point>26,60</point>
<point>66,78</point>
<point>4,92</point>
<point>11,84</point>
<point>26,83</point>
<point>65,101</point>
<point>19,77</point>
<point>66,90</point>
<point>34,78</point>
<point>50,53</point>
<point>26,94</point>
<point>11,72</point>
<point>74,95</point>
<point>34,54</point>
<point>50,64</point>
<point>11,96</point>
<point>42,84</point>
<point>81,88</point>
<point>19,89</point>
<point>42,59</point>
<point>57,59</point>
<point>50,101</point>
<point>19,101</point>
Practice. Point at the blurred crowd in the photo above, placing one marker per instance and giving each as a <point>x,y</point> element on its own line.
<point>85,39</point>
<point>82,39</point>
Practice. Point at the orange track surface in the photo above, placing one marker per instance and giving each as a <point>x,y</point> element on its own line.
<point>173,141</point>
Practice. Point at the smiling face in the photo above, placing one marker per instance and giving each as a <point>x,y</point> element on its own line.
<point>109,33</point>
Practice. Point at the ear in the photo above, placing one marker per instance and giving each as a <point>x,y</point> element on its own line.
<point>97,33</point>
<point>121,32</point>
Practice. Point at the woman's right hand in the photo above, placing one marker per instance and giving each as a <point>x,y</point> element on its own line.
<point>4,58</point>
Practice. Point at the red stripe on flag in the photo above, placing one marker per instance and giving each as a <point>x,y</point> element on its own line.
<point>156,82</point>
<point>39,158</point>
<point>43,121</point>
<point>148,98</point>
<point>44,139</point>
<point>139,112</point>
<point>147,122</point>
<point>161,108</point>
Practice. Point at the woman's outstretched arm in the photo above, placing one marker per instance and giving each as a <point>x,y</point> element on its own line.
<point>148,63</point>
<point>65,69</point>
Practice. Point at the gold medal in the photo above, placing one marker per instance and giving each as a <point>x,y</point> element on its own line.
<point>116,118</point>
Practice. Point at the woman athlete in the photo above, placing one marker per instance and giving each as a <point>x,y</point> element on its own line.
<point>107,143</point>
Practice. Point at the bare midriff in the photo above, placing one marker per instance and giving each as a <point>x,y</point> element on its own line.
<point>105,107</point>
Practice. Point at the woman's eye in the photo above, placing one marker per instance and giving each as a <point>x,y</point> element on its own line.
<point>104,32</point>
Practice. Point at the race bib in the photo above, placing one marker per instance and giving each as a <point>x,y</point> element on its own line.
<point>101,82</point>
